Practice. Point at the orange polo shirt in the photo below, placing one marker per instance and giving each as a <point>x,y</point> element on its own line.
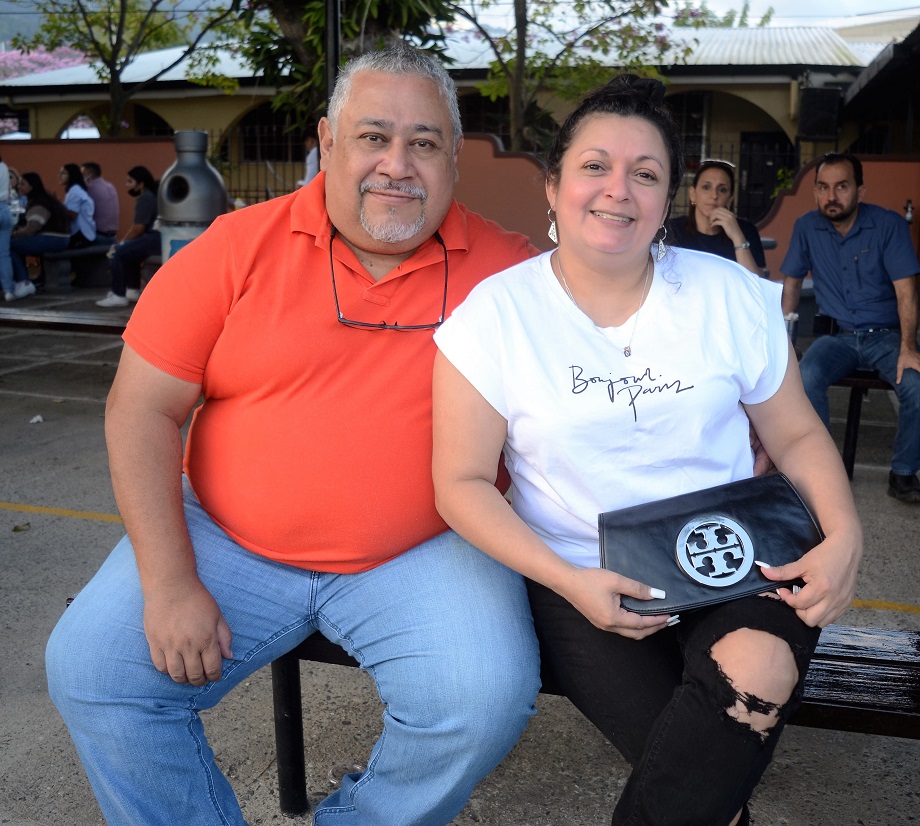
<point>313,445</point>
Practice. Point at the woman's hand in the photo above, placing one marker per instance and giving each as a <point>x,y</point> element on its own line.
<point>595,592</point>
<point>829,572</point>
<point>728,222</point>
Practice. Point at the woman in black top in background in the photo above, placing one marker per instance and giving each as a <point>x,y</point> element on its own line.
<point>711,226</point>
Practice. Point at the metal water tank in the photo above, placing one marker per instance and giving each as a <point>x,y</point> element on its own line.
<point>191,194</point>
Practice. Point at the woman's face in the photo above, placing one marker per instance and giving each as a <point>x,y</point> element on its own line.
<point>612,191</point>
<point>24,187</point>
<point>64,177</point>
<point>712,190</point>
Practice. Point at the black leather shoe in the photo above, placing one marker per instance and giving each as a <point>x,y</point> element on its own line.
<point>904,488</point>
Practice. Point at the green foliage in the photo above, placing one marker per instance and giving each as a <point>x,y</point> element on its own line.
<point>698,17</point>
<point>565,54</point>
<point>785,178</point>
<point>284,42</point>
<point>112,33</point>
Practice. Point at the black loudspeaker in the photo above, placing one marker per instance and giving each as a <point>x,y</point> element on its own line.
<point>819,114</point>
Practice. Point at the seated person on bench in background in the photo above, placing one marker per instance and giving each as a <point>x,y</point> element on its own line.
<point>862,262</point>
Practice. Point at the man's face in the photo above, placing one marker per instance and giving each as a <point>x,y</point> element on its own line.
<point>134,188</point>
<point>836,193</point>
<point>391,167</point>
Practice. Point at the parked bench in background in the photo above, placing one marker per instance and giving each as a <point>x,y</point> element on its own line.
<point>861,679</point>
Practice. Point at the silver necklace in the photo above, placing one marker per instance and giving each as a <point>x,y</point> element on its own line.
<point>627,350</point>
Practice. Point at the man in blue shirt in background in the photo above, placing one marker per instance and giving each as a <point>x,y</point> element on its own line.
<point>863,266</point>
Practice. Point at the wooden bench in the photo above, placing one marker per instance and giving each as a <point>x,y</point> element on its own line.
<point>861,679</point>
<point>860,383</point>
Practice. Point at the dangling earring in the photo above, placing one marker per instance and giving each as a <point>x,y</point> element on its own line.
<point>551,232</point>
<point>661,247</point>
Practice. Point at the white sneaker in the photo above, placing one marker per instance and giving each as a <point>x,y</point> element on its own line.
<point>132,295</point>
<point>22,289</point>
<point>9,297</point>
<point>112,300</point>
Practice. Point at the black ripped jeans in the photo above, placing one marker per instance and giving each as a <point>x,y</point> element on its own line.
<point>663,702</point>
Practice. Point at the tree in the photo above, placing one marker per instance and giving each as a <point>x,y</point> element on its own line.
<point>565,50</point>
<point>112,33</point>
<point>285,42</point>
<point>690,16</point>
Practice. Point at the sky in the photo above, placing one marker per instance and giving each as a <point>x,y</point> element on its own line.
<point>810,12</point>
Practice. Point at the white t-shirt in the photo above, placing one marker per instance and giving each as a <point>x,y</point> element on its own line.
<point>590,430</point>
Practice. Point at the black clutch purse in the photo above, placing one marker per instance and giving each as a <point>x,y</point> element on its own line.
<point>700,547</point>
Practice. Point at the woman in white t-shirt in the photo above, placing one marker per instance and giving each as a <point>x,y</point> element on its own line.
<point>613,371</point>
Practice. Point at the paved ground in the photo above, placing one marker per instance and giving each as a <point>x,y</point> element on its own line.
<point>57,522</point>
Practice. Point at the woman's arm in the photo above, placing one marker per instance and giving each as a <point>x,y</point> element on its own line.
<point>801,448</point>
<point>728,221</point>
<point>468,438</point>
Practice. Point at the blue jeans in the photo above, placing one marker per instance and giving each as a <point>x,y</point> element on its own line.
<point>829,358</point>
<point>127,259</point>
<point>444,631</point>
<point>39,244</point>
<point>6,265</point>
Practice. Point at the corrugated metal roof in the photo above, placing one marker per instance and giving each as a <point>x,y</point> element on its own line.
<point>773,46</point>
<point>768,46</point>
<point>144,66</point>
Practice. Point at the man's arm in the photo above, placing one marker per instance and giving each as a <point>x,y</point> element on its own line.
<point>906,292</point>
<point>792,291</point>
<point>145,412</point>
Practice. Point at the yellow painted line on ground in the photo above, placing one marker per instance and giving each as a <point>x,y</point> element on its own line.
<point>879,604</point>
<point>884,605</point>
<point>98,517</point>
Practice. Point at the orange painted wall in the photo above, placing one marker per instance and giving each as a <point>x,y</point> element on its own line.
<point>504,186</point>
<point>889,182</point>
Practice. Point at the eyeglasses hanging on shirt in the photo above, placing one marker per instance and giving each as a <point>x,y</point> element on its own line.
<point>382,325</point>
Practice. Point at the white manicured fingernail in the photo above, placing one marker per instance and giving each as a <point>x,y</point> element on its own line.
<point>674,620</point>
<point>657,593</point>
<point>795,589</point>
<point>763,564</point>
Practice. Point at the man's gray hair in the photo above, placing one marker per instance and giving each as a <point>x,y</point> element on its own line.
<point>401,59</point>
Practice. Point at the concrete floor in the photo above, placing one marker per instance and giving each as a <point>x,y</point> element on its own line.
<point>57,523</point>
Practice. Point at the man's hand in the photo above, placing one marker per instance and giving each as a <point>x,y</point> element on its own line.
<point>908,360</point>
<point>186,632</point>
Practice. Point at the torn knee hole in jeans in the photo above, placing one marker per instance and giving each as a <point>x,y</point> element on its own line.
<point>750,713</point>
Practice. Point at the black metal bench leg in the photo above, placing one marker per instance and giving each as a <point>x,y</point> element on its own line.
<point>854,411</point>
<point>289,747</point>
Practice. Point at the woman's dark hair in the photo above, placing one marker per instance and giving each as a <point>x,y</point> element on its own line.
<point>627,96</point>
<point>728,168</point>
<point>143,176</point>
<point>74,175</point>
<point>39,196</point>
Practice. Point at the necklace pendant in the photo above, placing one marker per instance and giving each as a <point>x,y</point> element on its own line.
<point>627,351</point>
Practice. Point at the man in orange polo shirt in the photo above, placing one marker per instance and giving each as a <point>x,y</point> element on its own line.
<point>304,500</point>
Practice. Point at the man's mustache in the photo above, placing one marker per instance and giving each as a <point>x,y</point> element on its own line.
<point>390,186</point>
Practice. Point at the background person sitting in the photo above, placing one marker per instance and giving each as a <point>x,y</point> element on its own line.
<point>140,242</point>
<point>46,229</point>
<point>105,197</point>
<point>80,207</point>
<point>862,262</point>
<point>711,226</point>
